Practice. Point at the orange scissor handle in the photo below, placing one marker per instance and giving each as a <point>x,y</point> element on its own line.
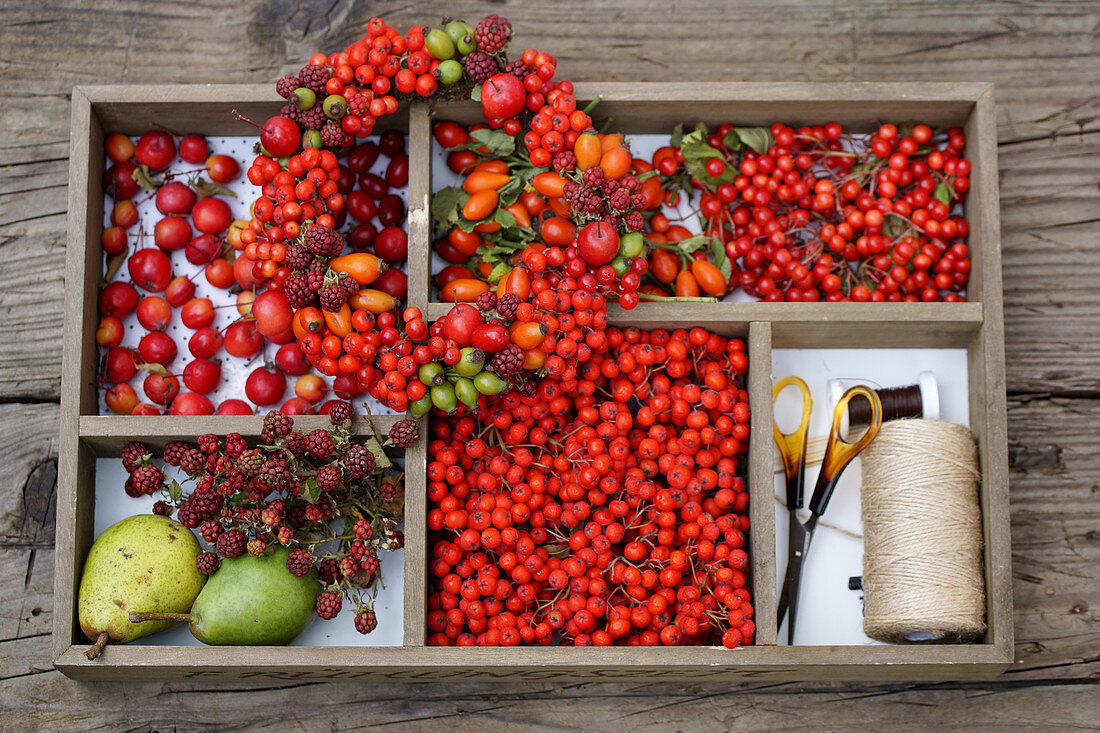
<point>838,452</point>
<point>792,446</point>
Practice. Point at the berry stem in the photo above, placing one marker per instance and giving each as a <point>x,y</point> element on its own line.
<point>136,618</point>
<point>97,648</point>
<point>676,298</point>
<point>242,118</point>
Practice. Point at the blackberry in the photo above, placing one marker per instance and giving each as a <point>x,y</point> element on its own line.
<point>297,257</point>
<point>620,199</point>
<point>609,186</point>
<point>634,221</point>
<point>173,452</point>
<point>359,461</point>
<point>366,622</point>
<point>187,515</point>
<point>328,605</point>
<point>387,490</point>
<point>359,105</point>
<point>638,200</point>
<point>291,113</point>
<point>217,463</point>
<point>193,462</point>
<point>519,69</point>
<point>594,205</point>
<point>348,567</point>
<point>486,301</point>
<point>208,563</point>
<point>492,33</point>
<point>131,488</point>
<point>507,305</point>
<point>284,536</point>
<point>250,462</point>
<point>286,85</point>
<point>313,118</point>
<point>528,389</point>
<point>235,479</point>
<point>323,241</point>
<point>211,531</point>
<point>328,478</point>
<point>330,571</point>
<point>370,564</point>
<point>161,509</point>
<point>256,548</point>
<point>404,433</point>
<point>629,181</point>
<point>351,285</point>
<point>340,412</point>
<point>508,362</point>
<point>275,473</point>
<point>276,425</point>
<point>362,529</point>
<point>566,160</point>
<point>333,298</point>
<point>592,177</point>
<point>208,443</point>
<point>480,66</point>
<point>315,279</point>
<point>235,445</point>
<point>231,543</point>
<point>315,77</point>
<point>296,289</point>
<point>299,562</point>
<point>333,135</point>
<point>134,454</point>
<point>320,444</point>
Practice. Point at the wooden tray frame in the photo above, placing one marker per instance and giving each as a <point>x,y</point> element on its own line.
<point>636,108</point>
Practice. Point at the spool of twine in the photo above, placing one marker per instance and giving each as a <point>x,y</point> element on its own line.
<point>922,534</point>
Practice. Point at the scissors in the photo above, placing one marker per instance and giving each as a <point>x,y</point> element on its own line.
<point>838,454</point>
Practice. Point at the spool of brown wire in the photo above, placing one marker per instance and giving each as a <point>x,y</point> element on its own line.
<point>897,403</point>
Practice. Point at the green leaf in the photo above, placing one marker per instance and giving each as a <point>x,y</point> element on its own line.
<point>175,491</point>
<point>381,460</point>
<point>311,492</point>
<point>499,270</point>
<point>205,189</point>
<point>144,177</point>
<point>504,218</point>
<point>694,244</point>
<point>733,141</point>
<point>499,143</point>
<point>447,206</point>
<point>943,194</point>
<point>696,155</point>
<point>757,138</point>
<point>719,259</point>
<point>677,135</point>
<point>475,93</point>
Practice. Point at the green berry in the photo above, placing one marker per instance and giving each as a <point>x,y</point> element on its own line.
<point>335,106</point>
<point>631,244</point>
<point>466,45</point>
<point>621,265</point>
<point>439,44</point>
<point>312,139</point>
<point>456,30</point>
<point>489,384</point>
<point>420,407</point>
<point>471,362</point>
<point>431,373</point>
<point>303,98</point>
<point>466,391</point>
<point>443,397</point>
<point>449,72</point>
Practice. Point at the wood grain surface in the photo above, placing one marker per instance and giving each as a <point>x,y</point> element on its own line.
<point>1045,62</point>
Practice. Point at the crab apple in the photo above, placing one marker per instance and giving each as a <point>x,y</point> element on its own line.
<point>265,386</point>
<point>243,340</point>
<point>180,290</point>
<point>119,181</point>
<point>197,312</point>
<point>280,136</point>
<point>202,376</point>
<point>113,240</point>
<point>109,332</point>
<point>219,273</point>
<point>272,312</point>
<point>194,148</point>
<point>598,243</point>
<point>145,409</point>
<point>211,215</point>
<point>150,269</point>
<point>202,249</point>
<point>222,168</point>
<point>346,387</point>
<point>310,387</point>
<point>175,198</point>
<point>157,347</point>
<point>297,406</point>
<point>121,399</point>
<point>393,281</point>
<point>205,342</point>
<point>161,388</point>
<point>291,360</point>
<point>283,337</point>
<point>119,365</point>
<point>118,299</point>
<point>502,96</point>
<point>460,322</point>
<point>154,313</point>
<point>124,214</point>
<point>245,275</point>
<point>244,302</point>
<point>119,147</point>
<point>155,149</point>
<point>172,233</point>
<point>234,407</point>
<point>190,403</point>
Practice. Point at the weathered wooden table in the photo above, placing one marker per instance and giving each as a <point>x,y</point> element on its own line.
<point>1045,61</point>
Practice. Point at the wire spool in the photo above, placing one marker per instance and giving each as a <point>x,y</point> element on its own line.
<point>922,534</point>
<point>916,400</point>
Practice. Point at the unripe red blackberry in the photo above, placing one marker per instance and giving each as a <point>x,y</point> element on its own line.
<point>507,362</point>
<point>256,548</point>
<point>328,605</point>
<point>328,478</point>
<point>592,177</point>
<point>348,567</point>
<point>250,462</point>
<point>519,69</point>
<point>232,543</point>
<point>313,118</point>
<point>387,490</point>
<point>275,473</point>
<point>299,562</point>
<point>315,279</point>
<point>333,135</point>
<point>161,509</point>
<point>323,241</point>
<point>208,563</point>
<point>492,33</point>
<point>286,85</point>
<point>235,445</point>
<point>147,479</point>
<point>315,77</point>
<point>366,622</point>
<point>208,443</point>
<point>362,529</point>
<point>566,160</point>
<point>486,301</point>
<point>629,182</point>
<point>620,199</point>
<point>296,289</point>
<point>285,535</point>
<point>404,433</point>
<point>297,257</point>
<point>276,425</point>
<point>507,305</point>
<point>296,444</point>
<point>211,531</point>
<point>369,564</point>
<point>340,412</point>
<point>134,454</point>
<point>131,488</point>
<point>359,461</point>
<point>634,221</point>
<point>480,66</point>
<point>173,452</point>
<point>330,571</point>
<point>320,444</point>
<point>333,298</point>
<point>359,105</point>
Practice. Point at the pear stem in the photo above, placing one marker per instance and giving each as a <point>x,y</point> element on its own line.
<point>136,617</point>
<point>101,642</point>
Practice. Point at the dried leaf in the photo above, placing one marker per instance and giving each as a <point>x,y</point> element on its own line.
<point>144,177</point>
<point>310,490</point>
<point>381,460</point>
<point>114,263</point>
<point>205,188</point>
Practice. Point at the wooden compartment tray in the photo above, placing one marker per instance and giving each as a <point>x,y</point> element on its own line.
<point>635,108</point>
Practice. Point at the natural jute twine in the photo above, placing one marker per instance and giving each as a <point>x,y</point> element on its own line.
<point>922,534</point>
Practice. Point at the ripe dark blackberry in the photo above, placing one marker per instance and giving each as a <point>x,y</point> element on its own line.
<point>519,69</point>
<point>323,241</point>
<point>276,425</point>
<point>134,454</point>
<point>328,478</point>
<point>173,452</point>
<point>404,433</point>
<point>333,135</point>
<point>235,445</point>
<point>366,621</point>
<point>193,462</point>
<point>507,305</point>
<point>232,543</point>
<point>161,509</point>
<point>486,301</point>
<point>333,297</point>
<point>297,257</point>
<point>211,531</point>
<point>291,113</point>
<point>250,462</point>
<point>313,118</point>
<point>508,362</point>
<point>275,473</point>
<point>208,443</point>
<point>208,563</point>
<point>256,548</point>
<point>492,33</point>
<point>330,571</point>
<point>131,488</point>
<point>286,85</point>
<point>320,444</point>
<point>359,461</point>
<point>296,289</point>
<point>592,177</point>
<point>315,76</point>
<point>299,562</point>
<point>480,66</point>
<point>351,285</point>
<point>566,160</point>
<point>328,605</point>
<point>340,412</point>
<point>296,444</point>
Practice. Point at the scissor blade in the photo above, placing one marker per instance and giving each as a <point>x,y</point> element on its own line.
<point>797,539</point>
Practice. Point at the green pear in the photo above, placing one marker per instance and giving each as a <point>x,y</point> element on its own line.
<point>249,601</point>
<point>143,563</point>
